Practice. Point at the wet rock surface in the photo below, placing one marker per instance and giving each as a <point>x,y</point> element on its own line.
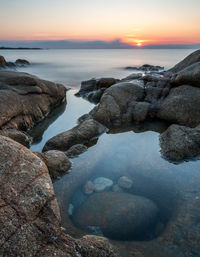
<point>75,150</point>
<point>19,136</point>
<point>83,133</point>
<point>18,63</point>
<point>119,215</point>
<point>57,162</point>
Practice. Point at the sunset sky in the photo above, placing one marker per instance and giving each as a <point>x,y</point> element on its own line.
<point>139,22</point>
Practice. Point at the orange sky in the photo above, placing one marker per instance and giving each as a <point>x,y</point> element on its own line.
<point>136,22</point>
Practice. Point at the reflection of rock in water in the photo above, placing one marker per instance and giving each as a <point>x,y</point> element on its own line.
<point>37,131</point>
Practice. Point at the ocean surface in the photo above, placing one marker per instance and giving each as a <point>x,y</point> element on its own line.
<point>134,152</point>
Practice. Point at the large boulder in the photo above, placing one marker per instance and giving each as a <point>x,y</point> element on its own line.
<point>83,133</point>
<point>29,213</point>
<point>57,162</point>
<point>180,142</point>
<point>189,75</point>
<point>189,60</point>
<point>181,106</point>
<point>22,62</point>
<point>113,107</point>
<point>26,99</point>
<point>118,215</point>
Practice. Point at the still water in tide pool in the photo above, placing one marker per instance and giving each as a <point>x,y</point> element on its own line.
<point>131,152</point>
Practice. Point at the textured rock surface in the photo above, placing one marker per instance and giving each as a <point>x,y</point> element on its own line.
<point>2,62</point>
<point>84,132</point>
<point>181,106</point>
<point>119,215</point>
<point>19,136</point>
<point>75,150</point>
<point>29,214</point>
<point>57,162</point>
<point>179,142</point>
<point>190,75</point>
<point>26,99</point>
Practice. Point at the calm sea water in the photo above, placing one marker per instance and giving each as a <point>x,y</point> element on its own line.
<point>134,153</point>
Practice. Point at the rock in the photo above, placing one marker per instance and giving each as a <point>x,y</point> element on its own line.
<point>70,209</point>
<point>25,99</point>
<point>76,150</point>
<point>133,76</point>
<point>180,142</point>
<point>94,230</point>
<point>102,184</point>
<point>119,215</point>
<point>93,89</point>
<point>84,132</point>
<point>188,76</point>
<point>116,188</point>
<point>189,60</point>
<point>29,214</point>
<point>19,136</point>
<point>140,111</point>
<point>145,67</point>
<point>152,94</point>
<point>88,188</point>
<point>57,162</point>
<point>22,62</point>
<point>2,62</point>
<point>114,102</point>
<point>181,106</point>
<point>125,182</point>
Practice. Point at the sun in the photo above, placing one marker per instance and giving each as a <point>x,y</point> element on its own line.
<point>139,44</point>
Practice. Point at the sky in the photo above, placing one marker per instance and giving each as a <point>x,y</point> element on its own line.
<point>138,23</point>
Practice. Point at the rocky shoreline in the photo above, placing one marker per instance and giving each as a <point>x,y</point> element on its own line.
<point>29,209</point>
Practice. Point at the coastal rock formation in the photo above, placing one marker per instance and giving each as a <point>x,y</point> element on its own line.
<point>83,133</point>
<point>56,161</point>
<point>29,214</point>
<point>93,89</point>
<point>102,184</point>
<point>119,215</point>
<point>180,142</point>
<point>25,99</point>
<point>75,150</point>
<point>17,63</point>
<point>125,182</point>
<point>145,68</point>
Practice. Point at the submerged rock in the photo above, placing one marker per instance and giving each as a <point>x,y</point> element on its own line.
<point>125,182</point>
<point>83,133</point>
<point>119,215</point>
<point>88,188</point>
<point>180,142</point>
<point>102,184</point>
<point>57,162</point>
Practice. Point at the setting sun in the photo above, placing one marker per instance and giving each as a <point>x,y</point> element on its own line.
<point>139,44</point>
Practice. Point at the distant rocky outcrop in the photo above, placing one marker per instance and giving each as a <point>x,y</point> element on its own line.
<point>17,63</point>
<point>145,68</point>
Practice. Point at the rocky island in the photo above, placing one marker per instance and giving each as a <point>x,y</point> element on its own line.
<point>30,222</point>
